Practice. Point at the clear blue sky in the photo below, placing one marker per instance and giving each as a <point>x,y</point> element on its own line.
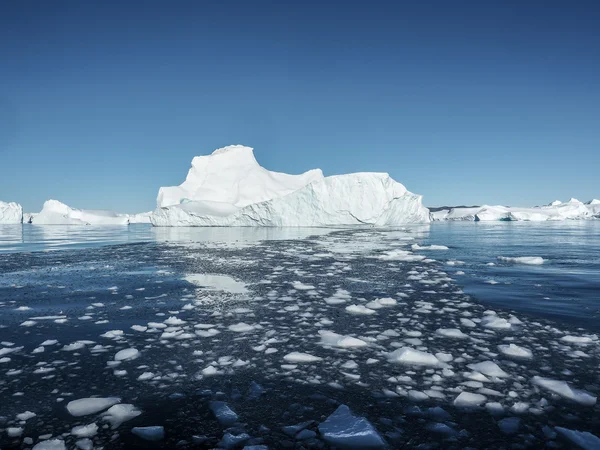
<point>103,102</point>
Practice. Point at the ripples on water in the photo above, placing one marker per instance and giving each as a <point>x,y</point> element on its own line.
<point>565,287</point>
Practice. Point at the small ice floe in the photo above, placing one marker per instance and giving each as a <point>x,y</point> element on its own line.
<point>577,339</point>
<point>127,354</point>
<point>582,439</point>
<point>381,303</point>
<point>26,416</point>
<point>85,431</point>
<point>454,333</point>
<point>329,338</point>
<point>50,444</point>
<point>112,334</point>
<point>298,285</point>
<point>416,247</point>
<point>154,433</point>
<point>488,368</point>
<point>514,351</point>
<point>340,296</point>
<point>410,356</point>
<point>562,389</point>
<point>7,350</point>
<point>116,415</point>
<point>223,413</point>
<point>74,346</point>
<point>509,425</point>
<point>494,322</point>
<point>14,431</point>
<point>531,260</point>
<point>85,406</point>
<point>342,429</point>
<point>469,400</point>
<point>298,357</point>
<point>216,283</point>
<point>359,310</point>
<point>241,327</point>
<point>400,255</point>
<point>174,321</point>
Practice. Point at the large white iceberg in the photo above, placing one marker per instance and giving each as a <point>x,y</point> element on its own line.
<point>10,213</point>
<point>57,213</point>
<point>573,209</point>
<point>229,188</point>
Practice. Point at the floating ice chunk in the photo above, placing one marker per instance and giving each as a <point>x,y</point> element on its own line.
<point>6,350</point>
<point>73,346</point>
<point>139,328</point>
<point>488,368</point>
<point>26,415</point>
<point>223,413</point>
<point>359,310</point>
<point>301,286</point>
<point>469,400</point>
<point>583,439</point>
<point>533,260</point>
<point>210,370</point>
<point>149,433</point>
<point>401,255</point>
<point>85,406</point>
<point>207,333</point>
<point>299,357</point>
<point>146,376</point>
<point>118,414</point>
<point>14,431</point>
<point>562,389</point>
<point>127,354</point>
<point>241,327</point>
<point>231,441</point>
<point>49,342</point>
<point>345,431</point>
<point>411,356</point>
<point>416,247</point>
<point>514,351</point>
<point>451,333</point>
<point>381,303</point>
<point>577,339</point>
<point>83,431</point>
<point>467,323</point>
<point>509,425</point>
<point>173,321</point>
<point>337,340</point>
<point>340,296</point>
<point>495,323</point>
<point>51,444</point>
<point>84,444</point>
<point>112,334</point>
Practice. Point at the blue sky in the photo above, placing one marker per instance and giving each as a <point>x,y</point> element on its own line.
<point>465,102</point>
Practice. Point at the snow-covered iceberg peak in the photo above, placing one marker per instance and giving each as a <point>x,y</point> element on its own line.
<point>10,213</point>
<point>232,176</point>
<point>229,188</point>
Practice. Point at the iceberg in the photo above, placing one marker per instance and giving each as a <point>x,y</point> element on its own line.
<point>57,213</point>
<point>230,188</point>
<point>10,213</point>
<point>573,209</point>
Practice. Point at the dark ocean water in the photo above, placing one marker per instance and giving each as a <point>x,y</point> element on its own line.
<point>566,287</point>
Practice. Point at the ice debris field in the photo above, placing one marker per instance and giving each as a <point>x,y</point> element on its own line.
<point>354,339</point>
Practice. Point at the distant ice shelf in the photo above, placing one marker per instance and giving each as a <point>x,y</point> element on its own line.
<point>57,213</point>
<point>557,210</point>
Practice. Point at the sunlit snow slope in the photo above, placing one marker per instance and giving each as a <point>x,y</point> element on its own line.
<point>10,213</point>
